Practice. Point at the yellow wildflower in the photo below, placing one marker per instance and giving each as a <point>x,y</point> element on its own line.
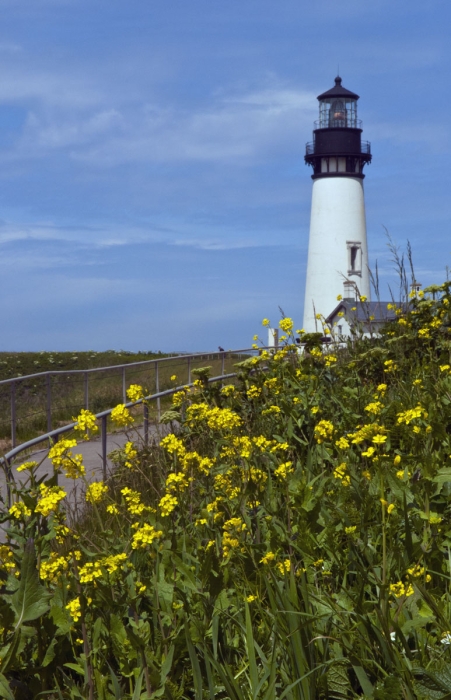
<point>323,431</point>
<point>268,558</point>
<point>27,466</point>
<point>145,535</point>
<point>19,510</point>
<point>399,589</point>
<point>270,410</point>
<point>130,454</point>
<point>286,324</point>
<point>120,415</point>
<point>375,407</point>
<point>283,567</point>
<point>86,421</point>
<point>96,492</point>
<point>50,496</point>
<point>379,439</point>
<point>133,501</point>
<point>167,504</point>
<point>74,609</point>
<point>284,470</point>
<point>135,392</point>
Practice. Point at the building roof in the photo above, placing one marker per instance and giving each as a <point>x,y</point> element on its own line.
<point>363,311</point>
<point>338,91</point>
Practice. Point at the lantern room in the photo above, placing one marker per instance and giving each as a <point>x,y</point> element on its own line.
<point>338,108</point>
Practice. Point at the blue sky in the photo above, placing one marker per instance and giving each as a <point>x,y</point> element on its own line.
<point>153,192</point>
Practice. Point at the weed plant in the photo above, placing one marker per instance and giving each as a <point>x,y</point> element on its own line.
<point>289,539</point>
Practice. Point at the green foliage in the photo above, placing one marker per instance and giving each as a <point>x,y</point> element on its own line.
<point>290,540</point>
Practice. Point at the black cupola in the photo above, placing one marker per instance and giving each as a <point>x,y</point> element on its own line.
<point>337,149</point>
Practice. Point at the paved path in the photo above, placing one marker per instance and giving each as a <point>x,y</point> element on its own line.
<point>92,459</point>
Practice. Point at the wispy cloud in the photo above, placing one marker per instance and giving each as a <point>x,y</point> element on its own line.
<point>241,127</point>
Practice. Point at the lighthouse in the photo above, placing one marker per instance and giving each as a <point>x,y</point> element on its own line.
<point>337,253</point>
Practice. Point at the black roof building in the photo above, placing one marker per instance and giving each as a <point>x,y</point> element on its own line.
<point>368,316</point>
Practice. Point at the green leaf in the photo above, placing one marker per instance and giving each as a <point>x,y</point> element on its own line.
<point>138,686</point>
<point>197,674</point>
<point>30,601</point>
<point>50,653</point>
<point>118,694</point>
<point>363,679</point>
<point>166,665</point>
<point>253,670</point>
<point>5,690</point>
<point>443,476</point>
<point>76,667</point>
<point>338,680</point>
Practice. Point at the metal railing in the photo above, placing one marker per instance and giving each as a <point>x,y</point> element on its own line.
<point>347,122</point>
<point>53,435</point>
<point>184,363</point>
<point>365,148</point>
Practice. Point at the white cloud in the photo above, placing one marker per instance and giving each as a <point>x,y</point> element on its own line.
<point>245,126</point>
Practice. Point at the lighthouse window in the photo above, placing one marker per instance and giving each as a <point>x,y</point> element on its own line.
<point>337,114</point>
<point>354,258</point>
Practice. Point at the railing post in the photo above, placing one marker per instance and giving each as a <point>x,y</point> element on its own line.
<point>124,390</point>
<point>9,477</point>
<point>86,391</point>
<point>146,424</point>
<point>104,428</point>
<point>189,370</point>
<point>157,389</point>
<point>223,363</point>
<point>52,441</point>
<point>13,414</point>
<point>49,402</point>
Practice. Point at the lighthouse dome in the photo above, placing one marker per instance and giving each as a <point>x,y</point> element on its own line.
<point>338,91</point>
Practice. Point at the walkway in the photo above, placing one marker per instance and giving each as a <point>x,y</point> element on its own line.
<point>92,459</point>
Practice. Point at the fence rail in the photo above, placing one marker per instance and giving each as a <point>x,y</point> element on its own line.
<point>53,435</point>
<point>183,364</point>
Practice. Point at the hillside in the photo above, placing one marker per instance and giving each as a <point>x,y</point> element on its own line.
<point>290,540</point>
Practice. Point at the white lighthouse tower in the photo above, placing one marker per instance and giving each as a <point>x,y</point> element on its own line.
<point>337,243</point>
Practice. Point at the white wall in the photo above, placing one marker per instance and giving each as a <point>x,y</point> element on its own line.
<point>337,216</point>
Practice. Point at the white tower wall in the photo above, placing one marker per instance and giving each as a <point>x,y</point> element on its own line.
<point>337,245</point>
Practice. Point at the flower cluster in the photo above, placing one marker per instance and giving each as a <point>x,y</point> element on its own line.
<point>19,510</point>
<point>53,567</point>
<point>130,454</point>
<point>74,608</point>
<point>135,392</point>
<point>62,458</point>
<point>96,492</point>
<point>49,499</point>
<point>27,466</point>
<point>120,415</point>
<point>133,500</point>
<point>145,535</point>
<point>324,430</point>
<point>86,423</point>
<point>167,504</point>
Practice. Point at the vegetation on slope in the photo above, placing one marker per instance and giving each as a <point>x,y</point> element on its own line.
<point>290,540</point>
